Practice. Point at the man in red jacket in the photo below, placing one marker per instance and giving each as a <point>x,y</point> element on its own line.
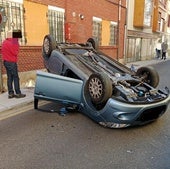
<point>10,50</point>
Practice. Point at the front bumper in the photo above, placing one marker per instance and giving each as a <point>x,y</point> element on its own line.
<point>117,114</point>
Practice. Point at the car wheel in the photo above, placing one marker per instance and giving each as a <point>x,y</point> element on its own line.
<point>99,88</point>
<point>93,43</point>
<point>49,44</point>
<point>148,75</point>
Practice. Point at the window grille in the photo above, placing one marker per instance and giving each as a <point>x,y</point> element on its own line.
<point>56,24</point>
<point>113,34</point>
<point>15,19</point>
<point>161,23</point>
<point>148,13</point>
<point>162,29</point>
<point>97,28</point>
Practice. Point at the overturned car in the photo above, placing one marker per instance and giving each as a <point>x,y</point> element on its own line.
<point>91,82</point>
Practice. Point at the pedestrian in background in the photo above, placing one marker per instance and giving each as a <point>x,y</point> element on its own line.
<point>164,46</point>
<point>158,49</point>
<point>10,50</point>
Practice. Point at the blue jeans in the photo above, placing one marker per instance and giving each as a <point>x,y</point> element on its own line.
<point>12,77</point>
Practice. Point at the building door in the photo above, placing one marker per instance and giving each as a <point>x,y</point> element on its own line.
<point>133,49</point>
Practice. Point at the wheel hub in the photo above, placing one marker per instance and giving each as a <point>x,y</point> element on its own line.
<point>95,88</point>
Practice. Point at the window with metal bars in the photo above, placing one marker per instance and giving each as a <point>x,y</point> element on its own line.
<point>113,34</point>
<point>14,12</point>
<point>161,23</point>
<point>97,28</point>
<point>56,24</point>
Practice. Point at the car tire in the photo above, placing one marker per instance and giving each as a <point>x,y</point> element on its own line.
<point>149,75</point>
<point>93,43</point>
<point>99,88</point>
<point>49,44</point>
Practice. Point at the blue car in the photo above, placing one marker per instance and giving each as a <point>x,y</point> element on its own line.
<point>86,80</point>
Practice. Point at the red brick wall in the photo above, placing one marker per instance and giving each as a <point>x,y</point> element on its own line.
<point>30,56</point>
<point>110,51</point>
<point>81,30</point>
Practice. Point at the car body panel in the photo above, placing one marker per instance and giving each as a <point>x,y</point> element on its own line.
<point>58,88</point>
<point>66,62</point>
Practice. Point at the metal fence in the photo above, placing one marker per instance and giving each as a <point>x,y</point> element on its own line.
<point>14,14</point>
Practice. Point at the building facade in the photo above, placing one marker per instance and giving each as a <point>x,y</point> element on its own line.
<point>148,22</point>
<point>68,21</point>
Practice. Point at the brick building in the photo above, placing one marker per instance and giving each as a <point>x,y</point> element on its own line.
<point>67,21</point>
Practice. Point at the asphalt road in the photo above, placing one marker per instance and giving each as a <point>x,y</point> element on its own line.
<point>42,139</point>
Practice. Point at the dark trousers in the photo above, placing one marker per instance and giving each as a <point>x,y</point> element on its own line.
<point>163,55</point>
<point>12,77</point>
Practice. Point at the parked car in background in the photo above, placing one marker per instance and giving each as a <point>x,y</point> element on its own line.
<point>80,76</point>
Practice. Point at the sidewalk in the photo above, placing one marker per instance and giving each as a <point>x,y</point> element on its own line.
<point>146,62</point>
<point>7,104</point>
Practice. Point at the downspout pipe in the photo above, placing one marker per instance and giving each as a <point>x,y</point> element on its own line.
<point>118,32</point>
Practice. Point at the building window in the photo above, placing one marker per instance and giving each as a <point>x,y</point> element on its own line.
<point>164,3</point>
<point>14,14</point>
<point>56,23</point>
<point>147,13</point>
<point>161,23</point>
<point>162,26</point>
<point>97,28</point>
<point>113,33</point>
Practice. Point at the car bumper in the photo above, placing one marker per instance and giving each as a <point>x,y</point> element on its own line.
<point>119,115</point>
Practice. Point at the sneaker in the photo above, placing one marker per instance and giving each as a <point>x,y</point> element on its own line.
<point>20,95</point>
<point>10,96</point>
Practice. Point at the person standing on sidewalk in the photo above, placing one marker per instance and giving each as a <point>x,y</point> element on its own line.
<point>10,50</point>
<point>164,46</point>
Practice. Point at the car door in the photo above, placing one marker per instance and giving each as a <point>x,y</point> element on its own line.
<point>58,88</point>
